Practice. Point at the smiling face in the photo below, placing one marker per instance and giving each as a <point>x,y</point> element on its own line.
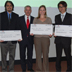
<point>42,11</point>
<point>9,7</point>
<point>27,11</point>
<point>62,9</point>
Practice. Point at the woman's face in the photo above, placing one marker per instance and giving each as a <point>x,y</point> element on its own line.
<point>42,11</point>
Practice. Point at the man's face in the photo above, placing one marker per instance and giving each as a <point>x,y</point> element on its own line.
<point>62,9</point>
<point>27,11</point>
<point>9,7</point>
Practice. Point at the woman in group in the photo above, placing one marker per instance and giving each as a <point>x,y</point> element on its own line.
<point>42,42</point>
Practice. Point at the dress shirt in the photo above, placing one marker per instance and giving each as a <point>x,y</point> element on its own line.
<point>26,18</point>
<point>8,15</point>
<point>63,15</point>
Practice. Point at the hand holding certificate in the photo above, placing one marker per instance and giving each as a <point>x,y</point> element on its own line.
<point>10,35</point>
<point>63,30</point>
<point>41,29</point>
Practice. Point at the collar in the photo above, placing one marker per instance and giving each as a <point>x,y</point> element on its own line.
<point>63,14</point>
<point>8,13</point>
<point>27,16</point>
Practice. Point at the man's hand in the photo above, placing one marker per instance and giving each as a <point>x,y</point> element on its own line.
<point>32,34</point>
<point>50,35</point>
<point>20,40</point>
<point>54,34</point>
<point>1,41</point>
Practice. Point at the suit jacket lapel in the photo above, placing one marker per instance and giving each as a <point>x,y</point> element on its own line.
<point>24,21</point>
<point>65,17</point>
<point>6,17</point>
<point>30,19</point>
<point>12,17</point>
<point>60,18</point>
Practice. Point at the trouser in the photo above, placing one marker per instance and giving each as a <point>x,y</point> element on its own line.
<point>67,50</point>
<point>23,47</point>
<point>42,47</point>
<point>5,48</point>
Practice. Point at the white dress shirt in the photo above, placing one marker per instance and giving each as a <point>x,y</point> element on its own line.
<point>63,16</point>
<point>26,18</point>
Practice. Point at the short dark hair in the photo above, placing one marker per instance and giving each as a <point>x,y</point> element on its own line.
<point>10,3</point>
<point>63,3</point>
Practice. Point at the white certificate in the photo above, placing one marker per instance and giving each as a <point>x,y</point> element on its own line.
<point>41,29</point>
<point>63,30</point>
<point>10,35</point>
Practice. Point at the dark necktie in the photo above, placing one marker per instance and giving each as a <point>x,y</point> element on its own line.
<point>9,18</point>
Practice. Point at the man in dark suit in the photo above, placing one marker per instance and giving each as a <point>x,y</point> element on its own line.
<point>25,23</point>
<point>63,18</point>
<point>9,21</point>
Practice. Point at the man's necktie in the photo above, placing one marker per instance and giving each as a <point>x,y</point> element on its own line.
<point>62,18</point>
<point>27,22</point>
<point>9,18</point>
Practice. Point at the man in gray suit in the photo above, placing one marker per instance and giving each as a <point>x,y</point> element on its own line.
<point>9,21</point>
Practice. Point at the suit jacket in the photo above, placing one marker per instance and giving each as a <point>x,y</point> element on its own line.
<point>67,21</point>
<point>4,22</point>
<point>24,29</point>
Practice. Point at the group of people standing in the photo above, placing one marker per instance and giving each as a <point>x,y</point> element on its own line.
<point>11,21</point>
